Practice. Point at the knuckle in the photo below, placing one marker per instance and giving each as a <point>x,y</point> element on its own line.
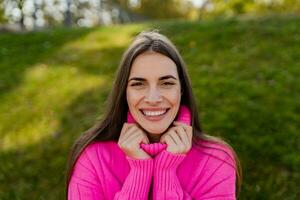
<point>132,128</point>
<point>182,147</point>
<point>167,136</point>
<point>172,128</point>
<point>181,129</point>
<point>172,131</point>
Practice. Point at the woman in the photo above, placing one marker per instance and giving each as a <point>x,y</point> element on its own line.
<point>155,156</point>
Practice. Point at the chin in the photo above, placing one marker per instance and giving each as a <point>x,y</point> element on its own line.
<point>155,130</point>
<point>158,127</point>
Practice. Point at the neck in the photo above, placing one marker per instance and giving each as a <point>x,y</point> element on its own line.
<point>153,138</point>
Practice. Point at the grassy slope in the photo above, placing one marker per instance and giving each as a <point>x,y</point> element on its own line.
<point>53,86</point>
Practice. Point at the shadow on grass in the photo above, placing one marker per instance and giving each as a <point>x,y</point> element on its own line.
<point>18,52</point>
<point>39,169</point>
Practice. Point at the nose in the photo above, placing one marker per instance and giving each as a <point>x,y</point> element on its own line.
<point>153,96</point>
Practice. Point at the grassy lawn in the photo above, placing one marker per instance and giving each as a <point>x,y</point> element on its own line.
<point>53,86</point>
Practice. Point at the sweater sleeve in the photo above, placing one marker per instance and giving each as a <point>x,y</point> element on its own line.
<point>167,185</point>
<point>84,183</point>
<point>218,180</point>
<point>138,181</point>
<point>165,181</point>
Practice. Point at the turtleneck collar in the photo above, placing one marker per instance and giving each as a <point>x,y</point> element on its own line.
<point>153,148</point>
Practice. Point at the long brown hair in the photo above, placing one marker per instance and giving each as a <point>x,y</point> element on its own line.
<point>109,127</point>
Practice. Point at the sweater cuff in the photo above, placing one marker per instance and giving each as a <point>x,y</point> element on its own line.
<point>168,161</point>
<point>166,164</point>
<point>138,181</point>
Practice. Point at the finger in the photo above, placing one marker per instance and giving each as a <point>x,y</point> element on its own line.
<point>162,139</point>
<point>178,123</point>
<point>130,138</point>
<point>175,137</point>
<point>145,139</point>
<point>138,137</point>
<point>188,129</point>
<point>190,133</point>
<point>183,136</point>
<point>128,132</point>
<point>165,138</point>
<point>125,127</point>
<point>169,140</point>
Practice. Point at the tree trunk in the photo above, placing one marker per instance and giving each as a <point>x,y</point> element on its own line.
<point>68,15</point>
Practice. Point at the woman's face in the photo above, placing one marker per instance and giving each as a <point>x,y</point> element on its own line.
<point>153,92</point>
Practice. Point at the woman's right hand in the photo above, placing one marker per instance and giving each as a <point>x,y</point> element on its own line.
<point>129,141</point>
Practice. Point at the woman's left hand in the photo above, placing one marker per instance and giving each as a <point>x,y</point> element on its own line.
<point>178,138</point>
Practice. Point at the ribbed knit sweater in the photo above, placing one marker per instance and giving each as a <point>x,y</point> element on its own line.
<point>103,171</point>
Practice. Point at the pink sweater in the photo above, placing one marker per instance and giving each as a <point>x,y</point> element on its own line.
<point>103,171</point>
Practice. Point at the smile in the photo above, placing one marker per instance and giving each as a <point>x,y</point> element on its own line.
<point>154,115</point>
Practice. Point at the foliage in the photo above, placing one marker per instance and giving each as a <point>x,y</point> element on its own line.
<point>156,9</point>
<point>2,17</point>
<point>254,7</point>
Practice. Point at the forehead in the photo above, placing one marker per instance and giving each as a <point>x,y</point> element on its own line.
<point>152,65</point>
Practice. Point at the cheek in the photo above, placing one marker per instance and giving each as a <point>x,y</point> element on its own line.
<point>132,97</point>
<point>173,96</point>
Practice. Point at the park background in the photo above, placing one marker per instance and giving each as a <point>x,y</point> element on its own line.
<point>58,59</point>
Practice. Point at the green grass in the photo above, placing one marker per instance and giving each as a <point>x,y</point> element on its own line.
<point>245,74</point>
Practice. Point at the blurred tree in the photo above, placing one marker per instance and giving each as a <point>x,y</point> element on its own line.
<point>68,14</point>
<point>121,11</point>
<point>2,17</point>
<point>156,9</point>
<point>19,4</point>
<point>203,8</point>
<point>277,6</point>
<point>40,13</point>
<point>231,7</point>
<point>238,7</point>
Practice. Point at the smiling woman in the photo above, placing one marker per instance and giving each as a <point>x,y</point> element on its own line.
<point>149,144</point>
<point>153,86</point>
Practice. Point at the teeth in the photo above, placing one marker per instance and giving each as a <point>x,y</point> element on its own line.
<point>154,113</point>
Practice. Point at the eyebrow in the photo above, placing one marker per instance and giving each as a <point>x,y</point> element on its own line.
<point>161,78</point>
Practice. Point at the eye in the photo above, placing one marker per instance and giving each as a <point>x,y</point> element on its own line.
<point>136,84</point>
<point>168,83</point>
